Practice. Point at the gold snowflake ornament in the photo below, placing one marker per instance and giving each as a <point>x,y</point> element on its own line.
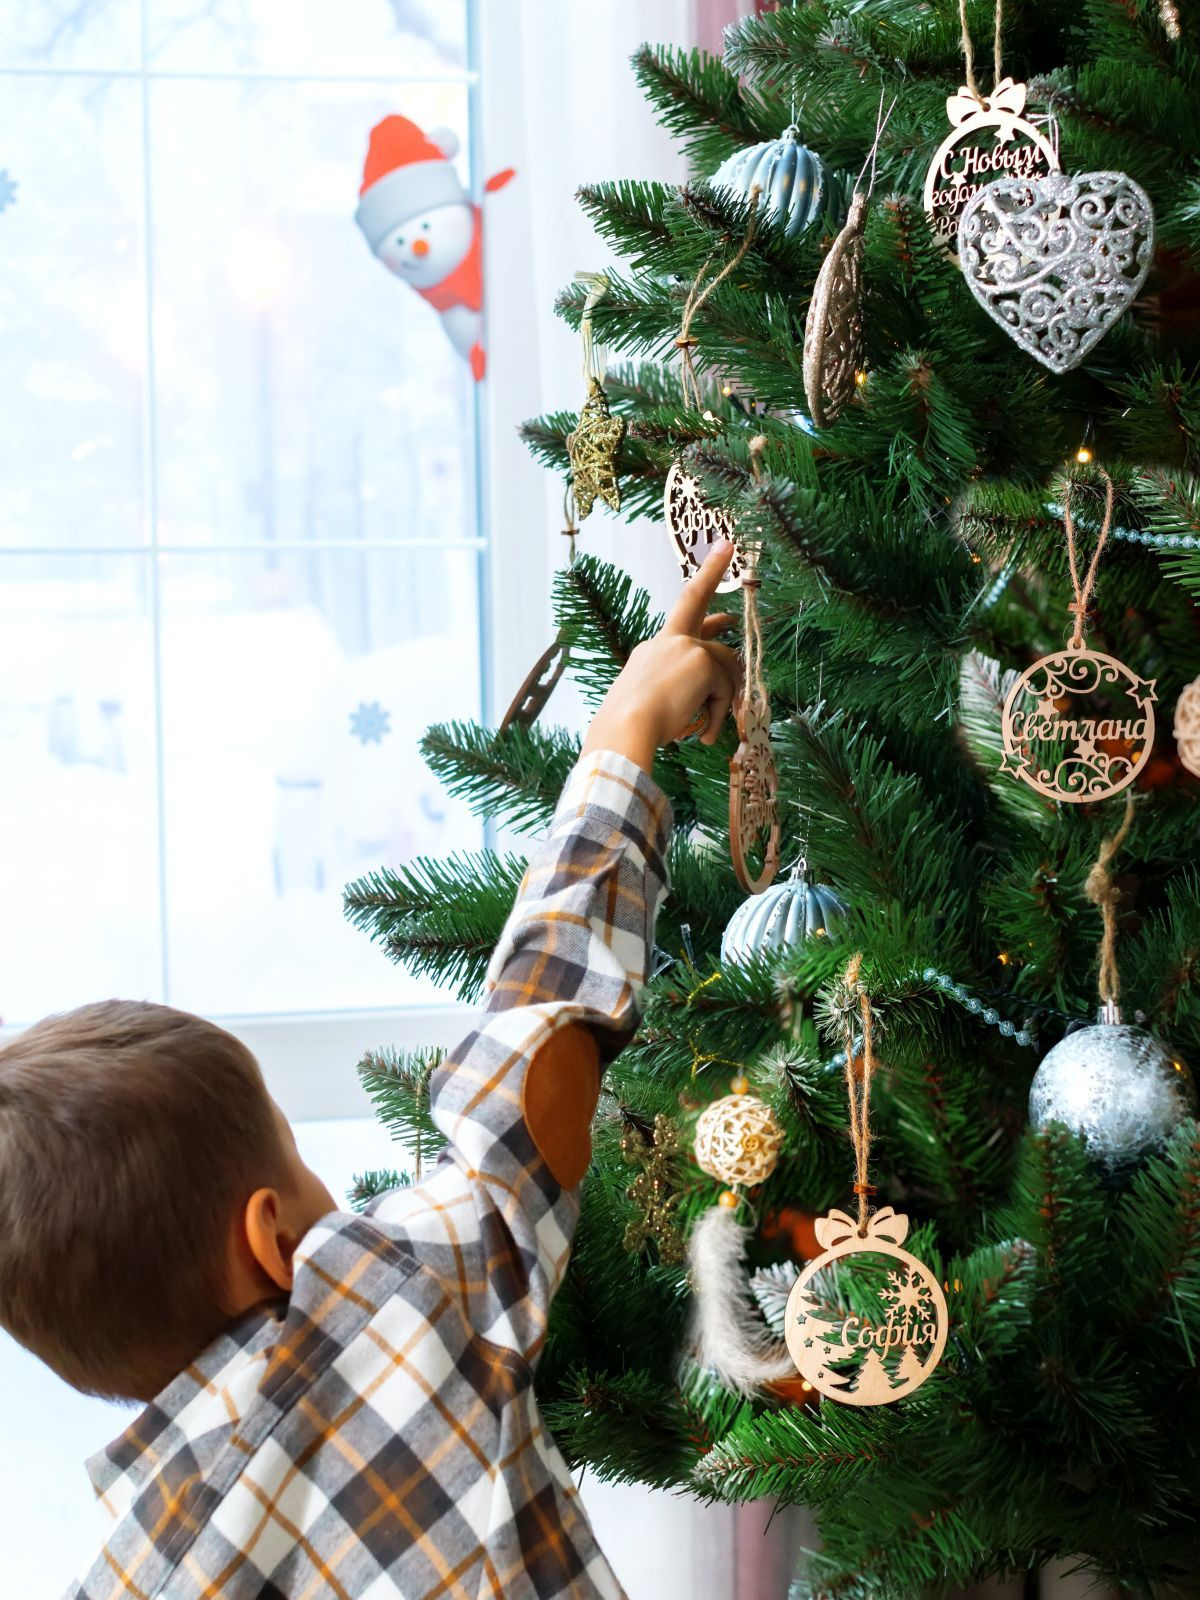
<point>592,449</point>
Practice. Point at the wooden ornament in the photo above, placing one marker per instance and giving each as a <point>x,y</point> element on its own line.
<point>1066,750</point>
<point>989,139</point>
<point>833,335</point>
<point>695,527</point>
<point>754,796</point>
<point>530,699</point>
<point>738,1140</point>
<point>592,449</point>
<point>862,1357</point>
<point>1187,727</point>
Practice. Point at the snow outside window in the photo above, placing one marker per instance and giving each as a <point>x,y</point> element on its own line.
<point>240,547</point>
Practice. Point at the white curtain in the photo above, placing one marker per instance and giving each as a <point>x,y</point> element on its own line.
<point>561,105</point>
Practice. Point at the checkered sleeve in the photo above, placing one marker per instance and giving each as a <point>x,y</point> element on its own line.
<point>574,952</point>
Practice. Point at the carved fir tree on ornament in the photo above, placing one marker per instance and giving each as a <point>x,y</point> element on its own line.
<point>861,1358</point>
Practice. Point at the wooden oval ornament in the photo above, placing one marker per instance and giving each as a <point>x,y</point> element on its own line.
<point>540,681</point>
<point>1064,748</point>
<point>754,797</point>
<point>858,1357</point>
<point>833,336</point>
<point>695,527</point>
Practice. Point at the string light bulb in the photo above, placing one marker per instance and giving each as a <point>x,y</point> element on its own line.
<point>1083,455</point>
<point>860,377</point>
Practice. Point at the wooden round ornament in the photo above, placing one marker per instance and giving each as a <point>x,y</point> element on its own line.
<point>833,337</point>
<point>855,1356</point>
<point>754,797</point>
<point>989,139</point>
<point>1067,749</point>
<point>1187,727</point>
<point>695,527</point>
<point>738,1140</point>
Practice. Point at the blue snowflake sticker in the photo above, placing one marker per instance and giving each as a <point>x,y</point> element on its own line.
<point>369,723</point>
<point>8,190</point>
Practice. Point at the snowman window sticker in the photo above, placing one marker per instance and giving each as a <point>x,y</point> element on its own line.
<point>422,224</point>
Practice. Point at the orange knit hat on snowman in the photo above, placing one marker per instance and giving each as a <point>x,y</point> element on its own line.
<point>407,172</point>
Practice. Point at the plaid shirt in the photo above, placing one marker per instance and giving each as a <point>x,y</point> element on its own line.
<point>378,1435</point>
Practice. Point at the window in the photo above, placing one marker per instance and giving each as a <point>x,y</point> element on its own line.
<point>240,544</point>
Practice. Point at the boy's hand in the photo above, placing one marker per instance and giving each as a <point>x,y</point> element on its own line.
<point>670,678</point>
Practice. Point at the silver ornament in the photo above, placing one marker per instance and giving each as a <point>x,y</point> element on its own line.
<point>1056,260</point>
<point>795,183</point>
<point>1117,1087</point>
<point>781,917</point>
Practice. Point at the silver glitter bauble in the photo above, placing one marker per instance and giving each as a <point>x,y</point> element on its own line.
<point>1055,260</point>
<point>771,923</point>
<point>1117,1087</point>
<point>796,184</point>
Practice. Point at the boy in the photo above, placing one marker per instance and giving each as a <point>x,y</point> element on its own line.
<point>344,1404</point>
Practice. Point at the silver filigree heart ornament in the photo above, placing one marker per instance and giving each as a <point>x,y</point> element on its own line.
<point>1055,260</point>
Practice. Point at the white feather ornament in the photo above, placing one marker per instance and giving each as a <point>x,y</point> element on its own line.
<point>727,1333</point>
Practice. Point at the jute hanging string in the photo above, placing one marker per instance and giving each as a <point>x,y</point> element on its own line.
<point>698,294</point>
<point>859,1072</point>
<point>969,49</point>
<point>1102,892</point>
<point>752,646</point>
<point>1083,591</point>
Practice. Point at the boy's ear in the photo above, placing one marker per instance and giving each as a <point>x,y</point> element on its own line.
<point>270,1244</point>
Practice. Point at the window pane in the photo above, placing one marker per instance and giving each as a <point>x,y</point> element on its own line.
<point>339,1149</point>
<point>92,36</point>
<point>72,312</point>
<point>296,687</point>
<point>396,38</point>
<point>78,850</point>
<point>303,391</point>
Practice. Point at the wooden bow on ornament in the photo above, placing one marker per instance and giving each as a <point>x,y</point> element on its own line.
<point>836,1227</point>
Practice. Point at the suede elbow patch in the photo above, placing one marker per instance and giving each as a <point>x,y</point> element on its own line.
<point>562,1086</point>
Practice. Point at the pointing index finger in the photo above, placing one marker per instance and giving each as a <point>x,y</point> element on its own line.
<point>687,614</point>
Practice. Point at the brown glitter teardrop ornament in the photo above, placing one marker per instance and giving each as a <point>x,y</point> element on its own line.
<point>833,334</point>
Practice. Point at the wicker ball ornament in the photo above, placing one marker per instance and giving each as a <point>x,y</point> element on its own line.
<point>1187,727</point>
<point>795,183</point>
<point>737,1138</point>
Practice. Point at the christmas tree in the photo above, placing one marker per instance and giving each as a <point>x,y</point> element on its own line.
<point>914,562</point>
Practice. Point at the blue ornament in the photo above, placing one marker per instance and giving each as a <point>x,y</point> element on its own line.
<point>369,723</point>
<point>796,184</point>
<point>770,924</point>
<point>8,190</point>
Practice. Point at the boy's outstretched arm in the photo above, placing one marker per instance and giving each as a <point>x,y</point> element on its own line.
<point>516,1098</point>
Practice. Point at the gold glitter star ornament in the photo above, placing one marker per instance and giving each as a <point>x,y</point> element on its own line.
<point>592,448</point>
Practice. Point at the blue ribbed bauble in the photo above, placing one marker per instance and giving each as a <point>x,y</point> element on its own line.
<point>785,915</point>
<point>796,184</point>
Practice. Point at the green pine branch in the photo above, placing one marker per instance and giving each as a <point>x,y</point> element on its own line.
<point>516,775</point>
<point>440,918</point>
